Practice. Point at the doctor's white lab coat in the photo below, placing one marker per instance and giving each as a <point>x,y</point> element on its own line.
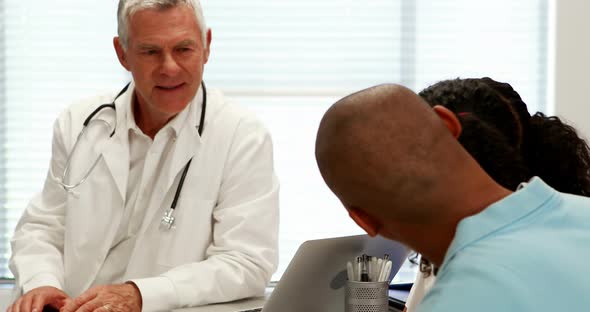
<point>224,246</point>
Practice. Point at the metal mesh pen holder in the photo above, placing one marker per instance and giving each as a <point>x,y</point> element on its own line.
<point>366,296</point>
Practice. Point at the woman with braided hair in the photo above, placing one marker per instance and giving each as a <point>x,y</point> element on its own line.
<point>509,144</point>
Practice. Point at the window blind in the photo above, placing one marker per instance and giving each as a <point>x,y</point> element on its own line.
<point>290,60</point>
<point>55,53</point>
<point>287,60</point>
<point>5,228</point>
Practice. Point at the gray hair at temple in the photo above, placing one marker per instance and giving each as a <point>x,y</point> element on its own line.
<point>128,7</point>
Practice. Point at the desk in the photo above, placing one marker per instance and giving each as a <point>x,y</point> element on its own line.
<point>237,306</point>
<point>228,306</point>
<point>240,305</point>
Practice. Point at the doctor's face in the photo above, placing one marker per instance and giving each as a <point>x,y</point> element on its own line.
<point>166,56</point>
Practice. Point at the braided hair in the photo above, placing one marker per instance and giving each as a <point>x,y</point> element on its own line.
<point>509,144</point>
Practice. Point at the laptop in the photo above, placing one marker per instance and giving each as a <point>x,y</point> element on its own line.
<point>315,278</point>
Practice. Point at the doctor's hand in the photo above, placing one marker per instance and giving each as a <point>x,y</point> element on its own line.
<point>36,299</point>
<point>109,298</point>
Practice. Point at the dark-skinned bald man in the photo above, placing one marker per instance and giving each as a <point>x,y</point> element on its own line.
<point>397,167</point>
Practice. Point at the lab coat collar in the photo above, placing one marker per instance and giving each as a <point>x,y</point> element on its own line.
<point>116,153</point>
<point>174,125</point>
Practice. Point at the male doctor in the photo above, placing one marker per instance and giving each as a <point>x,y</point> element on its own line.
<point>100,247</point>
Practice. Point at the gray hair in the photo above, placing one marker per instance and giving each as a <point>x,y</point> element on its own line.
<point>129,7</point>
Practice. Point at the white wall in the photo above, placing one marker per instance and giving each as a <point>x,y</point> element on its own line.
<point>572,63</point>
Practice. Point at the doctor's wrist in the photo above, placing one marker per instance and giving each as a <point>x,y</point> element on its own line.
<point>137,293</point>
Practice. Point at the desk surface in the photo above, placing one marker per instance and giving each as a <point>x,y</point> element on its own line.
<point>239,305</point>
<point>229,306</point>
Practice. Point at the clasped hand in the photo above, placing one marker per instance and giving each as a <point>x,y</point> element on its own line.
<point>109,298</point>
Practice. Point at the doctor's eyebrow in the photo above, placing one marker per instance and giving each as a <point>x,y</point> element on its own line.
<point>186,43</point>
<point>182,44</point>
<point>146,47</point>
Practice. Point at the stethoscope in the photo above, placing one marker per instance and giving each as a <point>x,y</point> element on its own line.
<point>168,219</point>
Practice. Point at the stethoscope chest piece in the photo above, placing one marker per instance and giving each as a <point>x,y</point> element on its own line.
<point>167,222</point>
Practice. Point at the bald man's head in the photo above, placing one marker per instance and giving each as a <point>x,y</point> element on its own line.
<point>385,151</point>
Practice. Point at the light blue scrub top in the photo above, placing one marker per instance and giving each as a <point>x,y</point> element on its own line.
<point>528,252</point>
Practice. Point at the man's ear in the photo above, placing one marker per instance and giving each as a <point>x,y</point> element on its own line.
<point>208,45</point>
<point>366,222</point>
<point>450,119</point>
<point>120,52</point>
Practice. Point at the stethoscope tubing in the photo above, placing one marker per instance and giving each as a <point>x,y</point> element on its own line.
<point>69,187</point>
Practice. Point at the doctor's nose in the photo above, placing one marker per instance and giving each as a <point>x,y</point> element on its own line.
<point>169,66</point>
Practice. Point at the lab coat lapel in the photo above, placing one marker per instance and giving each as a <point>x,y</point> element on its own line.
<point>116,151</point>
<point>116,157</point>
<point>187,144</point>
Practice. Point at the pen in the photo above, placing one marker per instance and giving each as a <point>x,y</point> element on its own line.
<point>385,273</point>
<point>388,272</point>
<point>382,267</point>
<point>364,272</point>
<point>358,269</point>
<point>350,271</point>
<point>374,269</point>
<point>370,275</point>
<point>378,269</point>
